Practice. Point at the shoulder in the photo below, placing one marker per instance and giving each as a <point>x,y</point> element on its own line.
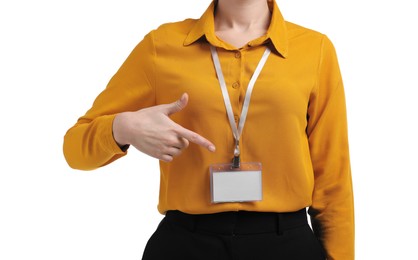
<point>296,31</point>
<point>307,38</point>
<point>174,29</point>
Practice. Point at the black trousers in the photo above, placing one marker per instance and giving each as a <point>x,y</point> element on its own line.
<point>234,236</point>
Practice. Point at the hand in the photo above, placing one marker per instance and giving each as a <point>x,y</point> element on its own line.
<point>151,131</point>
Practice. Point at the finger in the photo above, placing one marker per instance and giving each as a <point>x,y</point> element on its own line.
<point>176,148</point>
<point>176,106</point>
<point>175,141</point>
<point>166,158</point>
<point>195,138</point>
<point>173,151</point>
<point>182,143</point>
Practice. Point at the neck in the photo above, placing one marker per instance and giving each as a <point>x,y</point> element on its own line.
<point>242,15</point>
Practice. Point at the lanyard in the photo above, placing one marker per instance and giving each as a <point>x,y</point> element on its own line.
<point>237,130</point>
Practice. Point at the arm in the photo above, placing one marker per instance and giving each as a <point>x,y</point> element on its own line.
<point>125,114</point>
<point>89,144</point>
<point>332,210</point>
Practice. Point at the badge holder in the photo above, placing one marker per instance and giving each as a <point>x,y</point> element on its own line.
<point>232,182</point>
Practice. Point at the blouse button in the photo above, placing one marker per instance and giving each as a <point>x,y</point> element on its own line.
<point>237,55</point>
<point>236,119</point>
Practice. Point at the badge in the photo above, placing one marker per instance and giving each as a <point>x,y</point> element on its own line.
<point>230,184</point>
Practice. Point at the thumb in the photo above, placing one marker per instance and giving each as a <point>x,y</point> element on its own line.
<point>178,105</point>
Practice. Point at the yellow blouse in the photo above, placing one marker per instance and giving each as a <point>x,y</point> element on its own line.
<point>296,124</point>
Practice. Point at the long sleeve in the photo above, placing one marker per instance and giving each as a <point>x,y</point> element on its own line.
<point>89,144</point>
<point>332,210</point>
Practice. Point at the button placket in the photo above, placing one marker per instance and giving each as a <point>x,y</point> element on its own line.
<point>236,86</point>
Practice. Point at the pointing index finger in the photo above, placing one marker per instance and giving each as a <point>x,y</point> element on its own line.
<point>195,138</point>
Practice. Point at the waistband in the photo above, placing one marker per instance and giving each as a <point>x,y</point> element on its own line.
<point>238,222</point>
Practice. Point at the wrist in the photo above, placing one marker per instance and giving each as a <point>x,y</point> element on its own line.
<point>119,131</point>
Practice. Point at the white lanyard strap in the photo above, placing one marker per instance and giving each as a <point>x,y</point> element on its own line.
<point>237,130</point>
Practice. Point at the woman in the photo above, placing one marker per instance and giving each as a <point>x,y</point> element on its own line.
<point>257,136</point>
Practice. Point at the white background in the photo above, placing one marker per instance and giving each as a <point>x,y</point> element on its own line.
<point>56,56</point>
